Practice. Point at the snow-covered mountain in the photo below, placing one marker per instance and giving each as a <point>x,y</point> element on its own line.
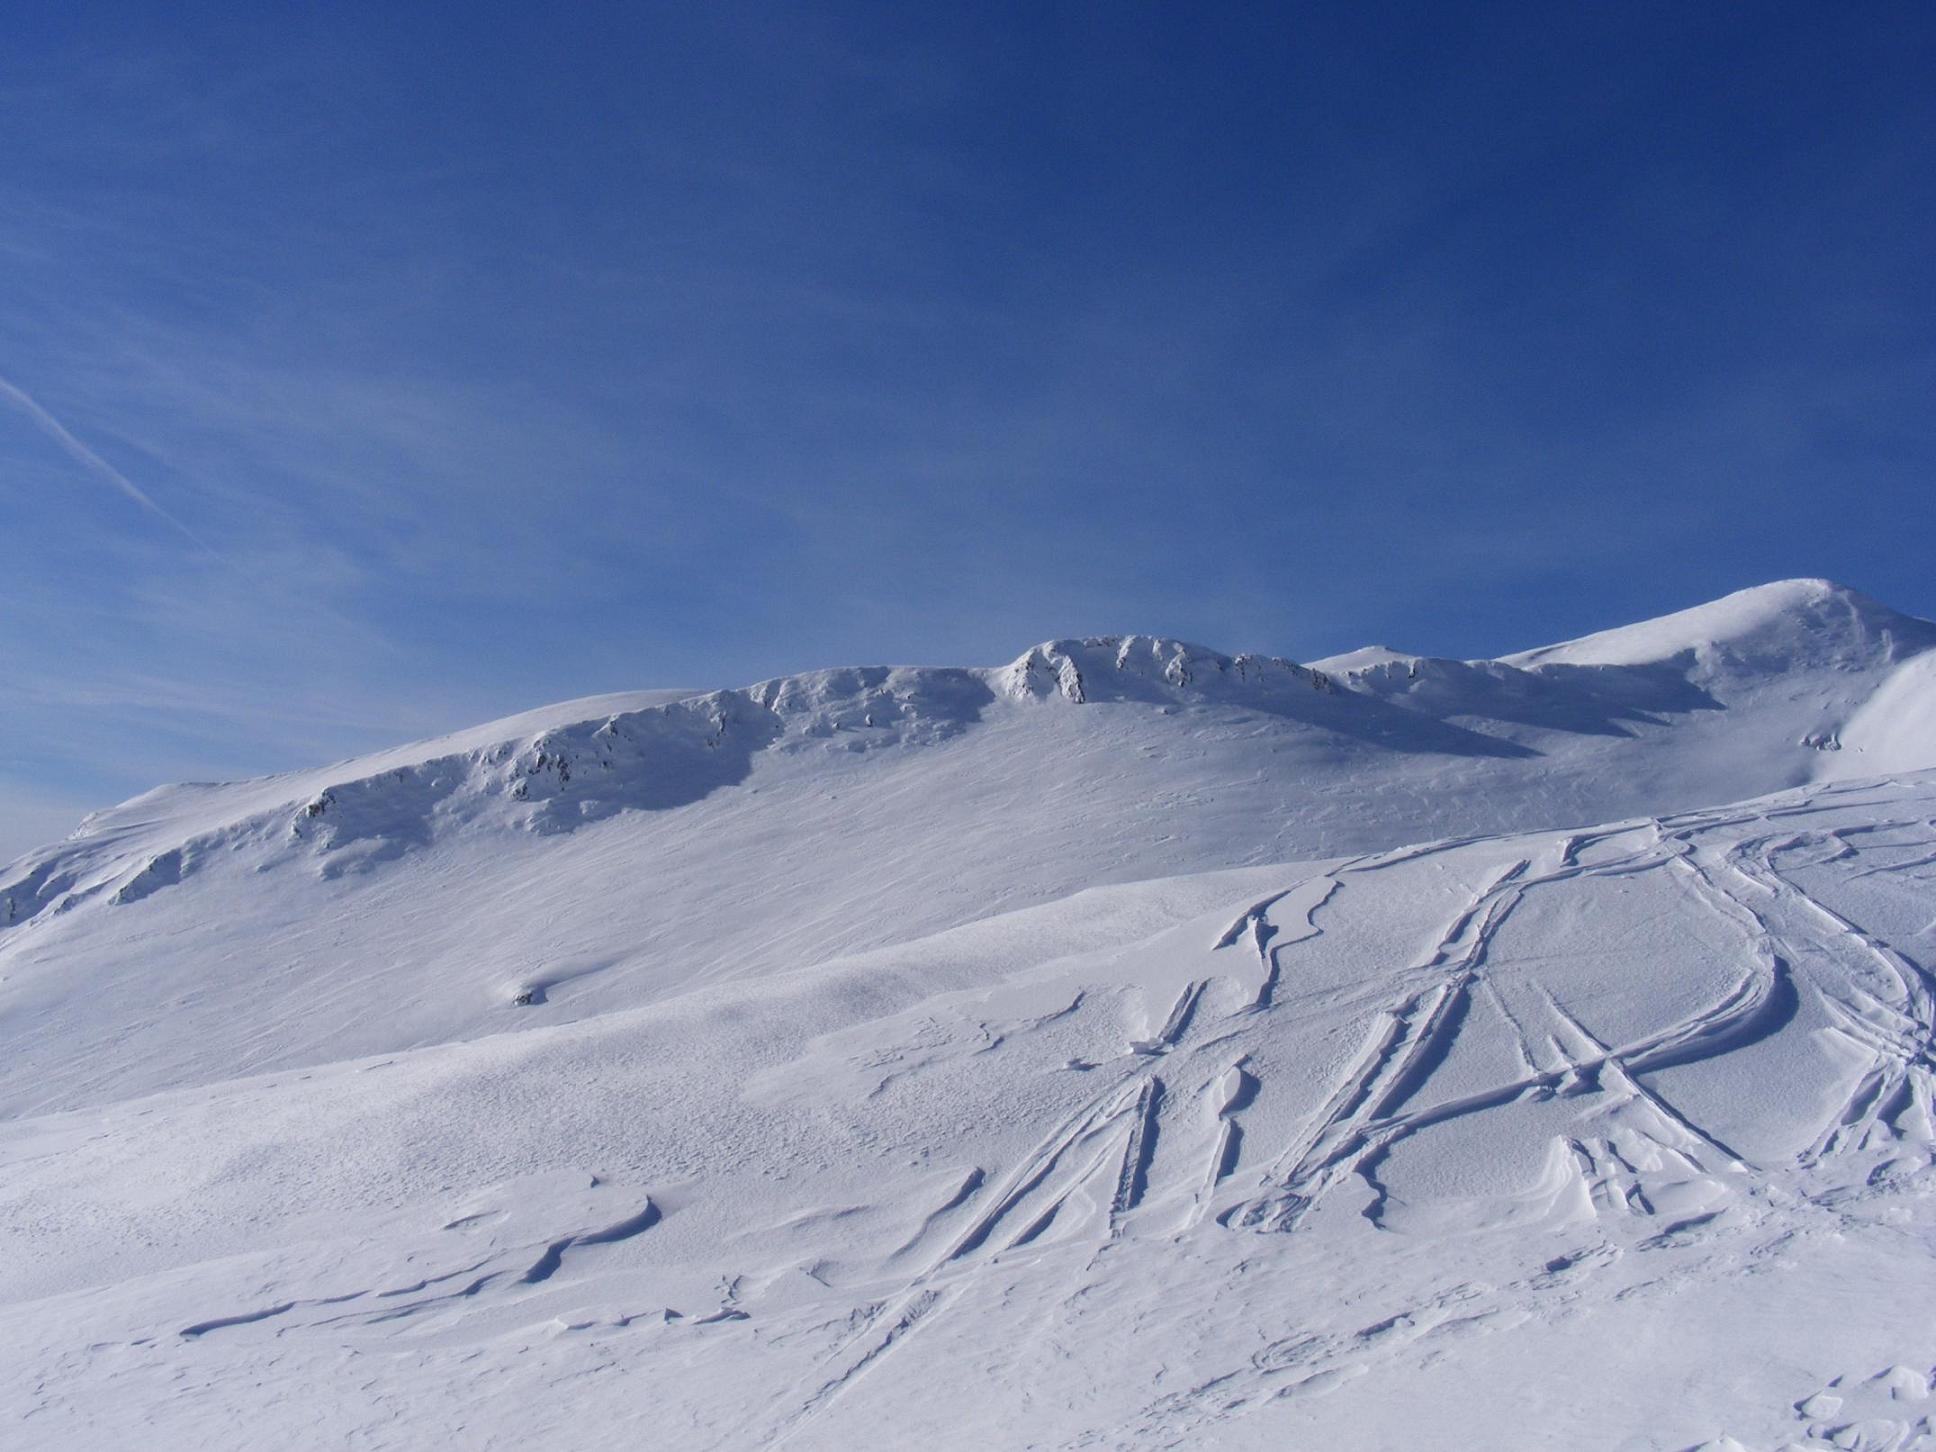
<point>1127,1046</point>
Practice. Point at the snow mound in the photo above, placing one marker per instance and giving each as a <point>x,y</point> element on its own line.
<point>1893,731</point>
<point>1786,626</point>
<point>1363,658</point>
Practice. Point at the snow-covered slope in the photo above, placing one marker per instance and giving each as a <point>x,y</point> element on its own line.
<point>584,861</point>
<point>1893,729</point>
<point>1072,1053</point>
<point>1789,627</point>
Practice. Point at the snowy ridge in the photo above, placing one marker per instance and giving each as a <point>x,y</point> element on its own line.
<point>665,753</point>
<point>1141,667</point>
<point>1584,698</point>
<point>568,771</point>
<point>1785,626</point>
<point>1129,1046</point>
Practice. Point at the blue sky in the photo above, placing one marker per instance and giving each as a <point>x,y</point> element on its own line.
<point>371,371</point>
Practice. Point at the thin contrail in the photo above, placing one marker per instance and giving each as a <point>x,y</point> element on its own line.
<point>87,458</point>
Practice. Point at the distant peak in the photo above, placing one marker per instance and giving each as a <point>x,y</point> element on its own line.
<point>1765,629</point>
<point>1796,594</point>
<point>1365,657</point>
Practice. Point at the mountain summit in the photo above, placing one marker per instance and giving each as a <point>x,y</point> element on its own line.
<point>1768,630</point>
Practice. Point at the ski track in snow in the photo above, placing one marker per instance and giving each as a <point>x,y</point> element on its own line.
<point>1161,1148</point>
<point>1383,1099</point>
<point>1029,1125</point>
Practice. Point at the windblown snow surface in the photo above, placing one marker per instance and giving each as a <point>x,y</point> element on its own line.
<point>1131,1046</point>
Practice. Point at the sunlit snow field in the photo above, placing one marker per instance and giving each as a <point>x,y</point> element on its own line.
<point>1130,1046</point>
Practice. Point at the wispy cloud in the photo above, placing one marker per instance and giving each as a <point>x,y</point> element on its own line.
<point>89,460</point>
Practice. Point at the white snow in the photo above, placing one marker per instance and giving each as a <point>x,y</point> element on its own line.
<point>1784,626</point>
<point>1129,1046</point>
<point>1893,729</point>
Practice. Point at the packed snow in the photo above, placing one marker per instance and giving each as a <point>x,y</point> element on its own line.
<point>1128,1046</point>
